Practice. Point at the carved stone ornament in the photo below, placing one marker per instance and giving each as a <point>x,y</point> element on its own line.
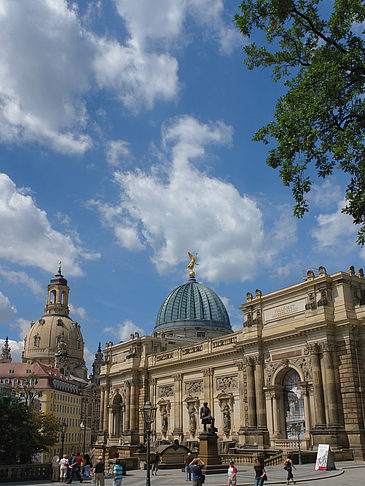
<point>194,387</point>
<point>269,372</point>
<point>227,383</point>
<point>166,391</point>
<point>164,406</point>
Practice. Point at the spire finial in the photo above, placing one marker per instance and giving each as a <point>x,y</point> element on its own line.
<point>59,267</point>
<point>192,264</point>
<point>5,355</point>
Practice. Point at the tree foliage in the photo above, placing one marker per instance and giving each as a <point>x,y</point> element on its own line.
<point>24,431</point>
<point>319,124</point>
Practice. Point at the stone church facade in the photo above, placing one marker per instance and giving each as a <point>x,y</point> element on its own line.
<point>295,368</point>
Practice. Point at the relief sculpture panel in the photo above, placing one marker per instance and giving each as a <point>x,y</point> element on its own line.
<point>227,383</point>
<point>194,387</point>
<point>166,391</point>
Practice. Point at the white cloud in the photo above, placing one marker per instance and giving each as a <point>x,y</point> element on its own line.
<point>325,195</point>
<point>7,311</point>
<point>181,208</point>
<point>48,64</point>
<point>23,326</point>
<point>334,230</point>
<point>29,238</point>
<point>42,44</point>
<point>16,349</point>
<point>51,60</point>
<point>123,331</point>
<point>22,278</point>
<point>89,358</point>
<point>164,21</point>
<point>80,311</point>
<point>117,150</point>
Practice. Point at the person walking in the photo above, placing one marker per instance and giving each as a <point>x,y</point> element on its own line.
<point>64,464</point>
<point>260,473</point>
<point>98,472</point>
<point>196,467</point>
<point>118,473</point>
<point>55,467</point>
<point>232,474</point>
<point>187,467</point>
<point>75,469</point>
<point>87,466</point>
<point>155,462</point>
<point>289,466</point>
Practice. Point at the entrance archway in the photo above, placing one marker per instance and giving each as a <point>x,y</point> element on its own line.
<point>293,404</point>
<point>117,415</point>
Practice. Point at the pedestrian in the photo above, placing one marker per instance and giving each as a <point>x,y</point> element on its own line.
<point>55,467</point>
<point>232,474</point>
<point>289,466</point>
<point>196,467</point>
<point>64,463</point>
<point>75,469</point>
<point>98,472</point>
<point>187,461</point>
<point>87,466</point>
<point>118,473</point>
<point>155,462</point>
<point>260,474</point>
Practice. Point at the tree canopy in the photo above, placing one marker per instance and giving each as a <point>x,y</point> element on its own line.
<point>317,49</point>
<point>24,431</point>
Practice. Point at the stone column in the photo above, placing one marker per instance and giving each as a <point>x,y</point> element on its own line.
<point>106,411</point>
<point>111,421</point>
<point>177,404</point>
<point>307,411</point>
<point>241,391</point>
<point>276,413</point>
<point>270,413</point>
<point>331,388</point>
<point>259,393</point>
<point>133,405</point>
<point>317,385</point>
<point>102,404</point>
<point>251,399</point>
<point>127,409</point>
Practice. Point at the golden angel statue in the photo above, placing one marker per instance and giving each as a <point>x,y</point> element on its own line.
<point>192,264</point>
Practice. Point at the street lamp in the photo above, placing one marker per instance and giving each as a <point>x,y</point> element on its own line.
<point>63,428</point>
<point>148,413</point>
<point>83,427</point>
<point>296,429</point>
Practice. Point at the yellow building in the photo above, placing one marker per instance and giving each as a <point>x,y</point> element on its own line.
<point>52,392</point>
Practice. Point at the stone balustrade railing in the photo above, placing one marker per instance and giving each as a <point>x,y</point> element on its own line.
<point>25,472</point>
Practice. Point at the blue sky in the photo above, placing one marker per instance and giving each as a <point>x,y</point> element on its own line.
<point>125,142</point>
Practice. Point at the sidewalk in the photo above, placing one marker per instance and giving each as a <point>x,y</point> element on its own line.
<point>348,473</point>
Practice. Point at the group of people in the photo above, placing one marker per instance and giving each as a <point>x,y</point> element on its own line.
<point>194,471</point>
<point>77,467</point>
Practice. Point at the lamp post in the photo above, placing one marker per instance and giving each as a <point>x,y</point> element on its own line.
<point>148,413</point>
<point>63,428</point>
<point>83,428</point>
<point>297,428</point>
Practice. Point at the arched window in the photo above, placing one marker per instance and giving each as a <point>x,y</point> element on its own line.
<point>52,297</point>
<point>294,404</point>
<point>37,340</point>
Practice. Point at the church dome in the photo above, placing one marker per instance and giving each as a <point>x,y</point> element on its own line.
<point>55,338</point>
<point>193,310</point>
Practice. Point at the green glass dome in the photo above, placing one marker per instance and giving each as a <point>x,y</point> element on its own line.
<point>193,305</point>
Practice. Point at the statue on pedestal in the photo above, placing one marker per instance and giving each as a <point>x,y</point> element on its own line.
<point>206,417</point>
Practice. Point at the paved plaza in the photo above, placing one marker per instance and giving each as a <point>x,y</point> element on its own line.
<point>346,474</point>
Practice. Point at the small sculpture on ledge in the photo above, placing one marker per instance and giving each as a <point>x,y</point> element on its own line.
<point>206,418</point>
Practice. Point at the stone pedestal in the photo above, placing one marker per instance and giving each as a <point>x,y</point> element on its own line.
<point>208,453</point>
<point>256,437</point>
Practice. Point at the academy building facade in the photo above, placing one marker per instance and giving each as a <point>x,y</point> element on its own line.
<point>296,366</point>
